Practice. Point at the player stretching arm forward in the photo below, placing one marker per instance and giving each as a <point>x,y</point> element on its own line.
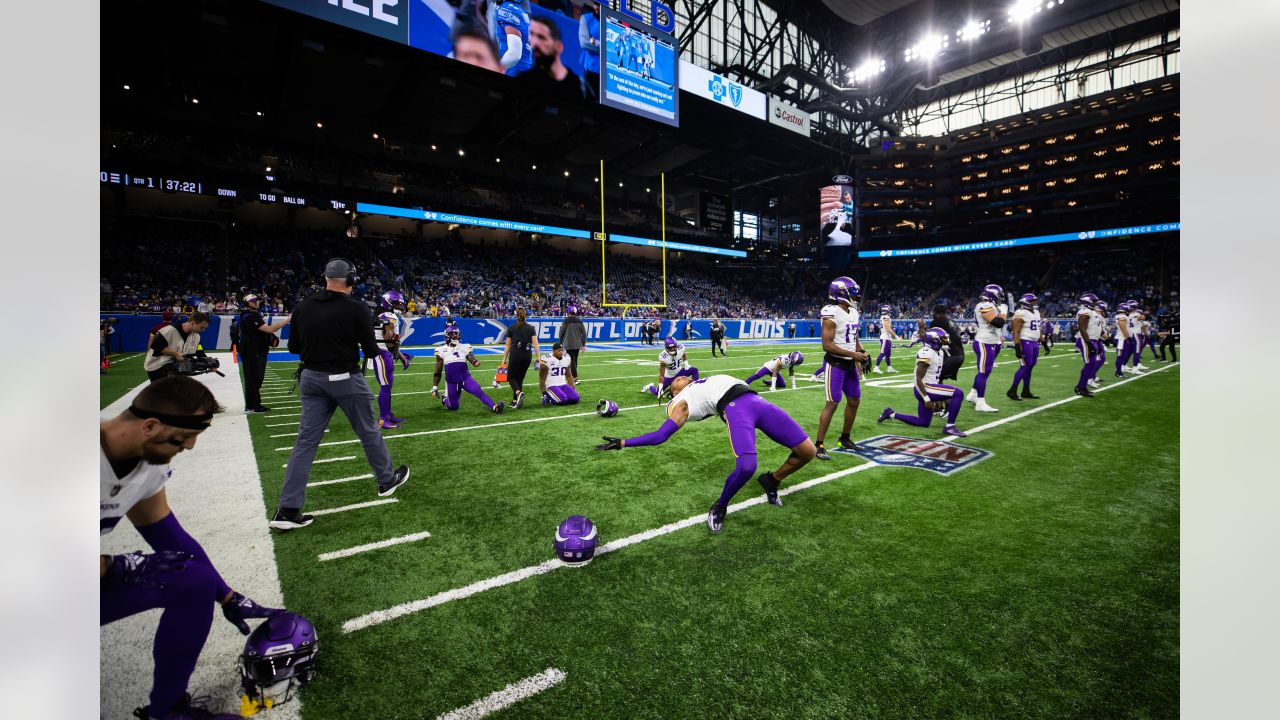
<point>931,395</point>
<point>744,412</point>
<point>774,369</point>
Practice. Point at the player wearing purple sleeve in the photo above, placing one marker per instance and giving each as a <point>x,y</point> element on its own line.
<point>773,369</point>
<point>387,336</point>
<point>931,394</point>
<point>555,375</point>
<point>844,355</point>
<point>1027,338</point>
<point>990,314</point>
<point>509,28</point>
<point>744,412</point>
<point>178,579</point>
<point>452,358</point>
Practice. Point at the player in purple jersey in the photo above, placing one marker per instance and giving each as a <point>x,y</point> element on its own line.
<point>386,335</point>
<point>931,395</point>
<point>452,358</point>
<point>555,375</point>
<point>744,412</point>
<point>844,355</point>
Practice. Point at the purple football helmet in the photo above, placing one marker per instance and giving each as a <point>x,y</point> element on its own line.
<point>576,541</point>
<point>885,310</point>
<point>452,333</point>
<point>278,658</point>
<point>1028,300</point>
<point>1102,306</point>
<point>606,408</point>
<point>935,338</point>
<point>797,358</point>
<point>670,343</point>
<point>392,300</point>
<point>843,289</point>
<point>993,292</point>
<point>572,310</point>
<point>1089,300</point>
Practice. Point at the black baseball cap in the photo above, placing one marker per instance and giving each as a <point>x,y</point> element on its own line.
<point>558,346</point>
<point>338,268</point>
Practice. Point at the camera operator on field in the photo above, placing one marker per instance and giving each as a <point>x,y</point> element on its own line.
<point>256,340</point>
<point>172,343</point>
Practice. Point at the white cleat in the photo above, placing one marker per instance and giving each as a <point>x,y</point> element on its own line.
<point>972,396</point>
<point>647,389</point>
<point>1094,384</point>
<point>876,370</point>
<point>889,369</point>
<point>982,406</point>
<point>1141,368</point>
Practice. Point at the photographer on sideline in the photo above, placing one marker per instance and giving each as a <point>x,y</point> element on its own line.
<point>256,339</point>
<point>172,343</point>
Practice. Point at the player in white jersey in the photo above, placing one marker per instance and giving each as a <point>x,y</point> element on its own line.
<point>744,412</point>
<point>887,336</point>
<point>844,358</point>
<point>1140,327</point>
<point>555,375</point>
<point>917,337</point>
<point>990,315</point>
<point>386,333</point>
<point>672,363</point>
<point>178,578</point>
<point>773,369</point>
<point>931,395</point>
<point>452,358</point>
<point>1126,337</point>
<point>1028,336</point>
<point>1088,341</point>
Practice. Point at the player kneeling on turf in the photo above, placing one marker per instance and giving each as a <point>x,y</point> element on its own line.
<point>556,378</point>
<point>930,394</point>
<point>743,411</point>
<point>774,369</point>
<point>452,359</point>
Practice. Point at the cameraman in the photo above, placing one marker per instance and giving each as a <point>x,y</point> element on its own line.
<point>256,340</point>
<point>172,343</point>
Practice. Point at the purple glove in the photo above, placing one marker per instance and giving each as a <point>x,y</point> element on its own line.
<point>404,360</point>
<point>153,571</point>
<point>239,608</point>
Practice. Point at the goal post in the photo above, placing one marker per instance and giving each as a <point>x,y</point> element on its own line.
<point>603,237</point>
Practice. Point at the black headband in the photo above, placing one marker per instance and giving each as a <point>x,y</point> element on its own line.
<point>186,422</point>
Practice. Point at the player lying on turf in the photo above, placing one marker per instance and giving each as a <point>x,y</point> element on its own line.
<point>452,358</point>
<point>773,369</point>
<point>556,378</point>
<point>930,394</point>
<point>743,411</point>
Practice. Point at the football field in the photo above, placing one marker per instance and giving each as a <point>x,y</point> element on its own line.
<point>1040,582</point>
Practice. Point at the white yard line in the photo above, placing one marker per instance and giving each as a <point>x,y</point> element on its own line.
<point>292,434</point>
<point>328,460</point>
<point>216,492</point>
<point>357,506</point>
<point>507,696</point>
<point>380,616</point>
<point>275,414</point>
<point>288,424</point>
<point>340,480</point>
<point>373,546</point>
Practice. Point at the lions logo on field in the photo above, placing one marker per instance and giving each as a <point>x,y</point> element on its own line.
<point>943,458</point>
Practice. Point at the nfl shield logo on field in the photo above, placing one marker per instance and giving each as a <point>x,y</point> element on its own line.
<point>943,458</point>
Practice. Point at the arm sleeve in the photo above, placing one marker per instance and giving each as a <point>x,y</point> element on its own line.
<point>584,35</point>
<point>168,534</point>
<point>158,343</point>
<point>996,321</point>
<point>657,437</point>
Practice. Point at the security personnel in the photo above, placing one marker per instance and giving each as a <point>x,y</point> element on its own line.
<point>172,343</point>
<point>255,342</point>
<point>717,337</point>
<point>329,330</point>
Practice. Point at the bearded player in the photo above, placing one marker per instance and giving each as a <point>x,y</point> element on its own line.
<point>673,361</point>
<point>844,355</point>
<point>743,411</point>
<point>452,359</point>
<point>386,334</point>
<point>990,315</point>
<point>773,370</point>
<point>931,395</point>
<point>555,375</point>
<point>887,336</point>
<point>1027,337</point>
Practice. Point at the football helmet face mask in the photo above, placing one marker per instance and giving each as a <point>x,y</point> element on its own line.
<point>1102,306</point>
<point>670,344</point>
<point>393,301</point>
<point>934,338</point>
<point>278,659</point>
<point>576,541</point>
<point>452,334</point>
<point>797,358</point>
<point>993,292</point>
<point>606,408</point>
<point>1028,301</point>
<point>844,289</point>
<point>885,309</point>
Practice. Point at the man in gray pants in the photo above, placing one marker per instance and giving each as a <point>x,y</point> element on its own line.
<point>573,335</point>
<point>329,330</point>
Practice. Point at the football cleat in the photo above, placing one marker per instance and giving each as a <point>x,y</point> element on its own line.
<point>188,708</point>
<point>982,406</point>
<point>972,396</point>
<point>953,431</point>
<point>846,443</point>
<point>770,485</point>
<point>518,400</point>
<point>497,409</point>
<point>822,452</point>
<point>885,414</point>
<point>1027,395</point>
<point>889,369</point>
<point>257,410</point>
<point>289,519</point>
<point>1013,395</point>
<point>715,518</point>
<point>387,425</point>
<point>1083,393</point>
<point>398,421</point>
<point>546,399</point>
<point>876,370</point>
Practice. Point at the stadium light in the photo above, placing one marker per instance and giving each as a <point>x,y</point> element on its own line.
<point>259,113</point>
<point>972,30</point>
<point>195,101</point>
<point>319,124</point>
<point>375,136</point>
<point>433,148</point>
<point>461,152</point>
<point>126,87</point>
<point>867,70</point>
<point>927,48</point>
<point>268,168</point>
<point>566,173</point>
<point>535,167</point>
<point>619,184</point>
<point>1022,10</point>
<point>497,160</point>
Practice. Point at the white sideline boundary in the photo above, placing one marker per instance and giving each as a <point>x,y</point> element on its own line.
<point>381,616</point>
<point>373,546</point>
<point>507,696</point>
<point>216,492</point>
<point>356,506</point>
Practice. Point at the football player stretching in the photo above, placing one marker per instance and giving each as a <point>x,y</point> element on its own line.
<point>452,359</point>
<point>931,395</point>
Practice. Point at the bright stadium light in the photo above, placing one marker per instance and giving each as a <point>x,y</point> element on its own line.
<point>1022,10</point>
<point>126,87</point>
<point>461,152</point>
<point>972,30</point>
<point>195,101</point>
<point>867,70</point>
<point>320,125</point>
<point>927,48</point>
<point>259,113</point>
<point>566,173</point>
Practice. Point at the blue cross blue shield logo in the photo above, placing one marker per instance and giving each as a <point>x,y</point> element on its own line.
<point>735,94</point>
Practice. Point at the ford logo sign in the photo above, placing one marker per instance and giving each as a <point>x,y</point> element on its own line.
<point>842,179</point>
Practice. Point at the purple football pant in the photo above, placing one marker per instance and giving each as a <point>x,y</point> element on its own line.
<point>886,353</point>
<point>986,357</point>
<point>563,395</point>
<point>187,605</point>
<point>453,393</point>
<point>665,382</point>
<point>952,396</point>
<point>841,383</point>
<point>774,382</point>
<point>1089,359</point>
<point>1099,357</point>
<point>821,368</point>
<point>384,368</point>
<point>744,416</point>
<point>1030,355</point>
<point>1124,351</point>
<point>1135,349</point>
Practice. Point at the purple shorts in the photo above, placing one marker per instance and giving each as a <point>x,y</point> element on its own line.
<point>384,367</point>
<point>750,412</point>
<point>986,356</point>
<point>841,383</point>
<point>563,395</point>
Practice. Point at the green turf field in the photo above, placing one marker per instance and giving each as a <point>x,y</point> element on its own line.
<point>1042,582</point>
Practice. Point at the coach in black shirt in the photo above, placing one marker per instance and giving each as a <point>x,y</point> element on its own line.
<point>955,351</point>
<point>329,330</point>
<point>255,342</point>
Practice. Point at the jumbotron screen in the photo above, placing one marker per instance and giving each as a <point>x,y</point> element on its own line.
<point>639,68</point>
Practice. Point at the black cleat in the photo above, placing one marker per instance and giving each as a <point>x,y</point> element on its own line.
<point>715,518</point>
<point>257,410</point>
<point>1012,395</point>
<point>770,485</point>
<point>1084,393</point>
<point>822,452</point>
<point>846,443</point>
<point>398,478</point>
<point>289,519</point>
<point>1026,395</point>
<point>499,408</point>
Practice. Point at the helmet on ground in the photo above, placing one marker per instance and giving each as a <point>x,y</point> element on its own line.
<point>576,541</point>
<point>606,408</point>
<point>278,659</point>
